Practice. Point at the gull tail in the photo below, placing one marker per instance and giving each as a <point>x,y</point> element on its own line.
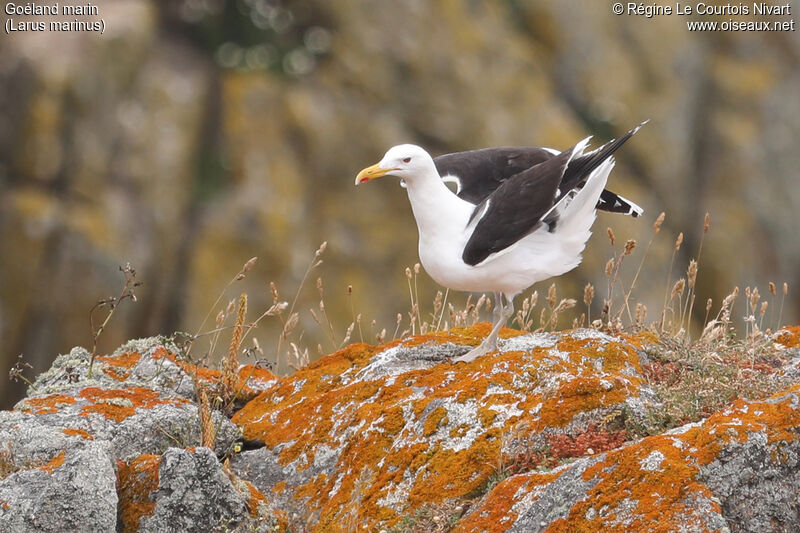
<point>581,167</point>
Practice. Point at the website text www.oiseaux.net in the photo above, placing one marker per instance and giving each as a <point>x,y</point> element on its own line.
<point>717,17</point>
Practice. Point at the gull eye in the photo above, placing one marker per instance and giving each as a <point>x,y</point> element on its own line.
<point>407,160</point>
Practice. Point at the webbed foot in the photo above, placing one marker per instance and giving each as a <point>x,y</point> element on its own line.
<point>474,353</point>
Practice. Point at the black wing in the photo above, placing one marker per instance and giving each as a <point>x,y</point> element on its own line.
<point>515,208</point>
<point>480,172</point>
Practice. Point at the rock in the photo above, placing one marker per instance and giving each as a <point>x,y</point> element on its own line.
<point>788,337</point>
<point>188,491</point>
<point>60,445</point>
<point>155,363</point>
<point>73,491</point>
<point>385,430</point>
<point>134,420</point>
<point>140,398</point>
<point>532,438</point>
<point>735,471</point>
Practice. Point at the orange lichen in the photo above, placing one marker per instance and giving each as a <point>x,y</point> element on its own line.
<point>47,404</point>
<point>486,415</point>
<point>119,404</point>
<point>395,414</point>
<point>459,431</point>
<point>438,416</point>
<point>74,432</point>
<point>495,513</point>
<point>136,482</point>
<point>789,337</point>
<point>118,366</point>
<point>661,494</point>
<point>579,395</point>
<point>471,336</point>
<point>641,339</point>
<point>55,462</point>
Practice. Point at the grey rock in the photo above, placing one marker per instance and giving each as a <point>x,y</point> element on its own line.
<point>556,498</point>
<point>194,495</point>
<point>758,482</point>
<point>71,371</point>
<point>77,496</point>
<point>170,421</point>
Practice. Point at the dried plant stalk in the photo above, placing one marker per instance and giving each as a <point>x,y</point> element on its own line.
<point>229,375</point>
<point>207,430</point>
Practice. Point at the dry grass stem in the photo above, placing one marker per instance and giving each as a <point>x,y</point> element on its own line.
<point>112,304</point>
<point>207,429</point>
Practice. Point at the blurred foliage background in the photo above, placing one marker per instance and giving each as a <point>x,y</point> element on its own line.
<point>195,134</point>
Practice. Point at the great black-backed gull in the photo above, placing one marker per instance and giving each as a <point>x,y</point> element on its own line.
<point>518,216</point>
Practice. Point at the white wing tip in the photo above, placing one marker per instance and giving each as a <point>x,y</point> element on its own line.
<point>637,128</point>
<point>580,147</point>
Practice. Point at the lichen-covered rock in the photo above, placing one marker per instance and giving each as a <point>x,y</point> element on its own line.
<point>370,433</point>
<point>140,398</point>
<point>72,491</point>
<point>76,443</point>
<point>188,491</point>
<point>154,363</point>
<point>134,420</point>
<point>788,337</point>
<point>738,470</point>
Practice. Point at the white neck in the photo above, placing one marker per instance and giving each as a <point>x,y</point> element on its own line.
<point>432,202</point>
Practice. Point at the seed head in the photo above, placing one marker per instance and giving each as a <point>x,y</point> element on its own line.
<point>679,241</point>
<point>677,289</point>
<point>706,223</point>
<point>754,298</point>
<point>629,246</point>
<point>588,294</point>
<point>772,289</point>
<point>246,268</point>
<point>563,305</point>
<point>611,236</point>
<point>658,222</point>
<point>691,273</point>
<point>551,296</point>
<point>274,290</point>
<point>641,313</point>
